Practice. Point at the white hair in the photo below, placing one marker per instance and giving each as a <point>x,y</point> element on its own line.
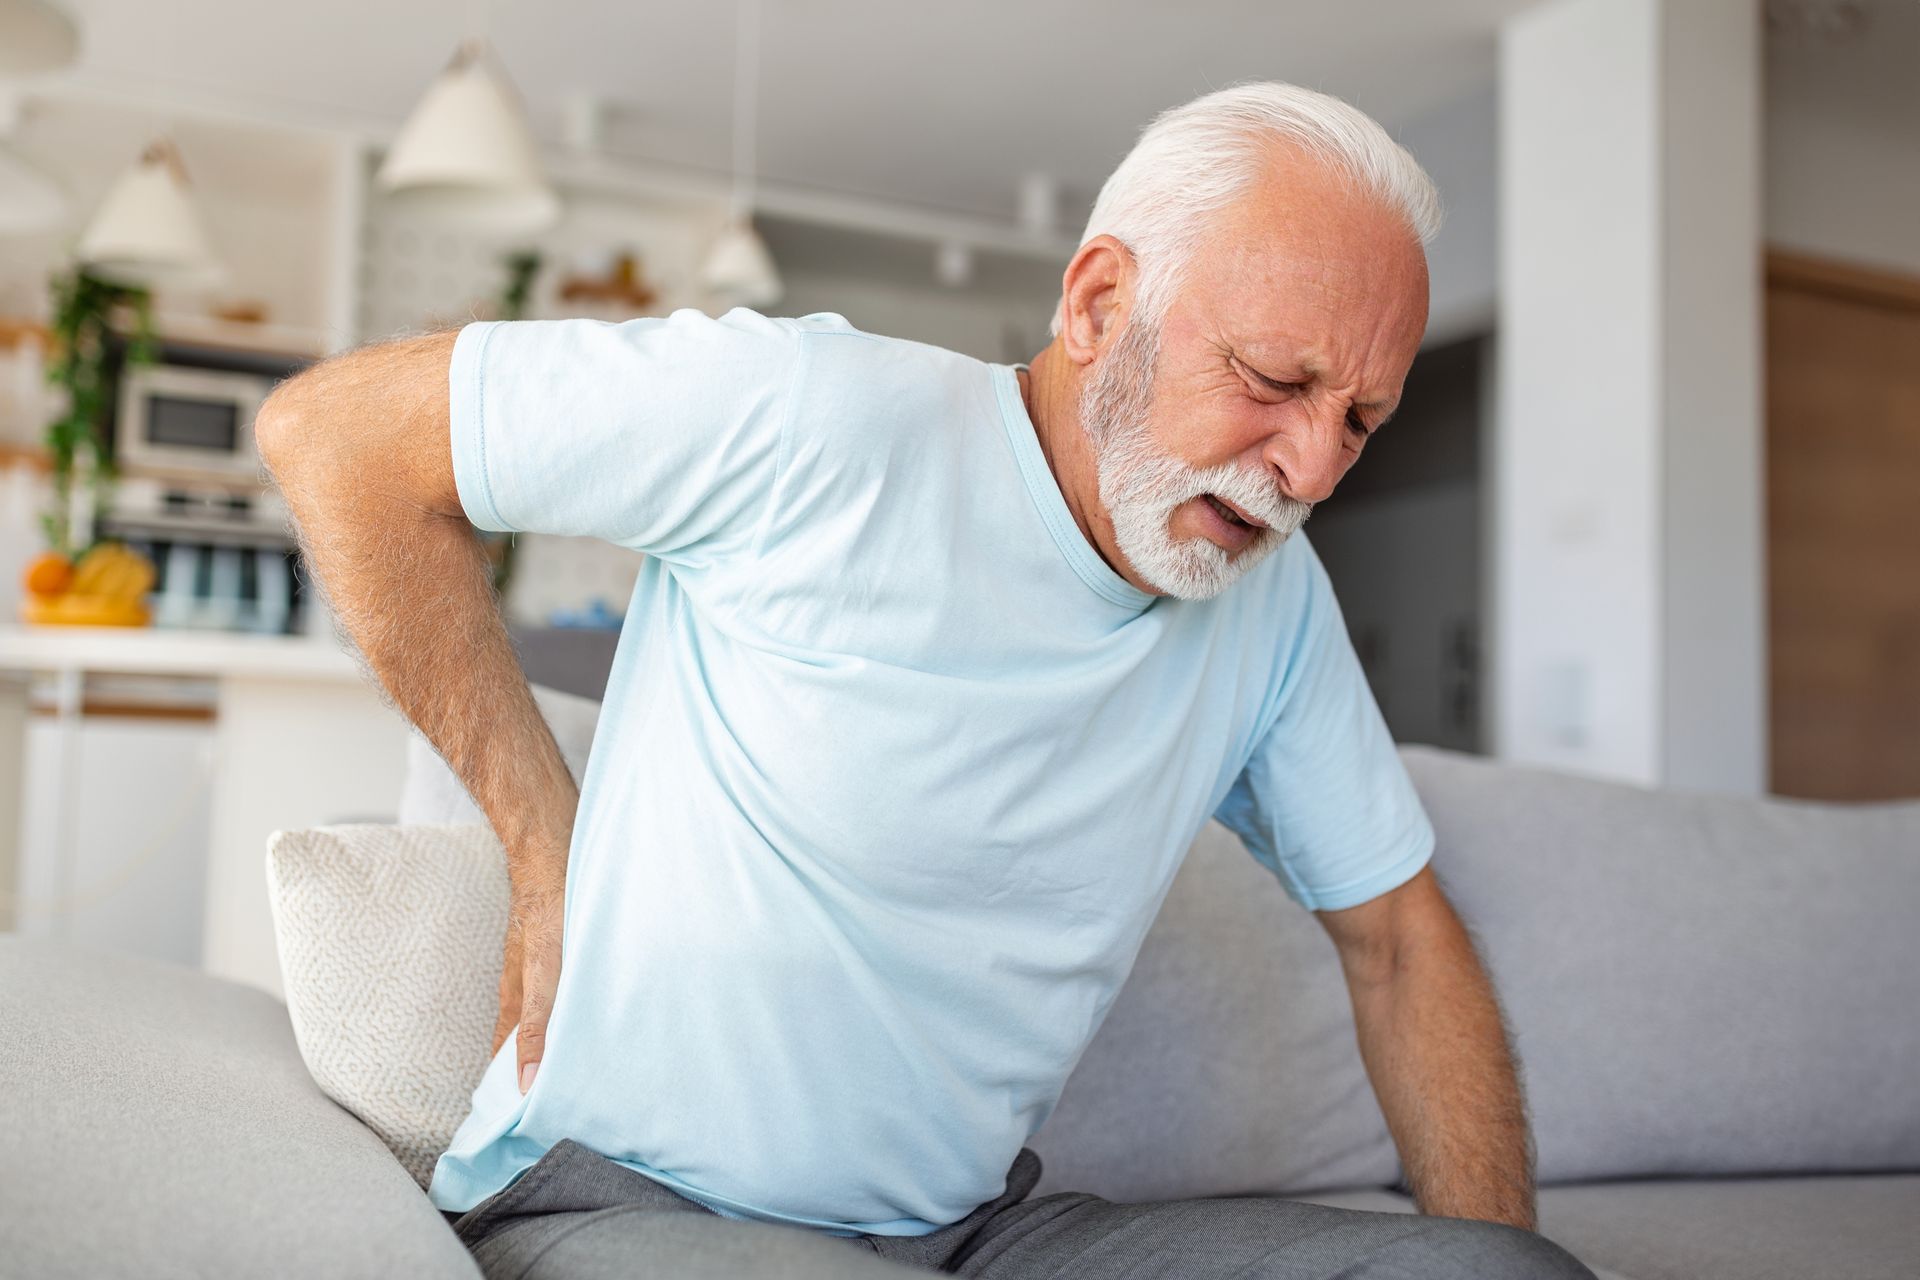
<point>1195,160</point>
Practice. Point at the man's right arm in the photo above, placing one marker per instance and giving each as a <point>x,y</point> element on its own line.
<point>360,447</point>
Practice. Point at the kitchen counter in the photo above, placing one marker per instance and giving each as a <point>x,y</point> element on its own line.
<point>158,651</point>
<point>301,738</point>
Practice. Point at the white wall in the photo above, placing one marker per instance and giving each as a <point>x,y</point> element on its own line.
<point>1628,635</point>
<point>1576,456</point>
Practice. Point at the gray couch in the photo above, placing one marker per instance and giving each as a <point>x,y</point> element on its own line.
<point>1715,1001</point>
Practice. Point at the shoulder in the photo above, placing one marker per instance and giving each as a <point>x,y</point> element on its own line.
<point>832,343</point>
<point>856,385</point>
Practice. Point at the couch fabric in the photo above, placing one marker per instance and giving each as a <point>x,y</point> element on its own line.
<point>1818,1228</point>
<point>1720,984</point>
<point>1698,984</point>
<point>1227,1064</point>
<point>1744,969</point>
<point>159,1123</point>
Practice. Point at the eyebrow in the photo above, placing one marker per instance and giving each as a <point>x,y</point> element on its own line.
<point>1353,413</point>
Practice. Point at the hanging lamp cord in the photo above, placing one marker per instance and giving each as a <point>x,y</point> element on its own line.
<point>746,77</point>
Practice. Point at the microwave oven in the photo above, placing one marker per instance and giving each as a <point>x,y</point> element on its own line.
<point>179,419</point>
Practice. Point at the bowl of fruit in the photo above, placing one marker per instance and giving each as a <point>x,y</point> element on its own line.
<point>105,586</point>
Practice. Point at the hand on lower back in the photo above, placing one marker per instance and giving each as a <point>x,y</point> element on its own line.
<point>529,974</point>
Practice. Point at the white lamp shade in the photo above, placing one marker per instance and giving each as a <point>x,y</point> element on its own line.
<point>467,158</point>
<point>35,37</point>
<point>29,200</point>
<point>740,270</point>
<point>147,231</point>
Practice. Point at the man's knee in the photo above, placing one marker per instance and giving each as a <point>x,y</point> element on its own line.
<point>1467,1248</point>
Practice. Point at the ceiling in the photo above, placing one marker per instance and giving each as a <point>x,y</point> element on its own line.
<point>944,105</point>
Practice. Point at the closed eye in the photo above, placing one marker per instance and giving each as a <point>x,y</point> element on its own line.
<point>1355,424</point>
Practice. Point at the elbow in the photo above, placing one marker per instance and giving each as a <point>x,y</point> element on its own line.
<point>279,430</point>
<point>283,432</point>
<point>273,424</point>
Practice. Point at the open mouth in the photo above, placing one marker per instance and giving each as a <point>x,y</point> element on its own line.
<point>1232,514</point>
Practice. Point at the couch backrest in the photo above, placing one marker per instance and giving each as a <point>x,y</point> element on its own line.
<point>1697,985</point>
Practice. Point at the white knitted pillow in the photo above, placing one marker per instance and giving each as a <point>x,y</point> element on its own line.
<point>390,942</point>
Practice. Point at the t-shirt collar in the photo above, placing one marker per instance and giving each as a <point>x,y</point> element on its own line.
<point>1051,503</point>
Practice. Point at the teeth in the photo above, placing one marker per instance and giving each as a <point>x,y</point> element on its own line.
<point>1226,511</point>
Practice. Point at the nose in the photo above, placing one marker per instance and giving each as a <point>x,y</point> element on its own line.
<point>1310,457</point>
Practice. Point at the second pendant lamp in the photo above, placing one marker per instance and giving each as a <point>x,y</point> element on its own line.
<point>466,156</point>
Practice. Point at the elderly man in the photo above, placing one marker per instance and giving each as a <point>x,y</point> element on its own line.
<point>931,674</point>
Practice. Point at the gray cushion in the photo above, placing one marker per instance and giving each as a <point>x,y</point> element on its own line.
<point>1742,1229</point>
<point>160,1123</point>
<point>1698,984</point>
<point>1227,1064</point>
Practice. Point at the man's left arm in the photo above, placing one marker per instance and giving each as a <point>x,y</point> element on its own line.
<point>1436,1050</point>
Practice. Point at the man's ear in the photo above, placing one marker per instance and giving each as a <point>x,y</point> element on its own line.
<point>1099,290</point>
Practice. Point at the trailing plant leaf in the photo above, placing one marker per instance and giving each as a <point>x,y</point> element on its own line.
<point>85,310</point>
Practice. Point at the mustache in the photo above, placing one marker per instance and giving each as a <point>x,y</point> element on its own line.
<point>1254,493</point>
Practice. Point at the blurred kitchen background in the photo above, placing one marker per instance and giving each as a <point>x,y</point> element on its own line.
<point>1648,510</point>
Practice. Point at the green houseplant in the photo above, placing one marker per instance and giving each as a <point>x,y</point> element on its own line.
<point>85,311</point>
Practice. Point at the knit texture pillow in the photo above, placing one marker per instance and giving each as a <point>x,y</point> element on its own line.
<point>390,941</point>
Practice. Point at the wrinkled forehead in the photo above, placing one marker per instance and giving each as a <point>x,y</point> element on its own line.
<point>1308,255</point>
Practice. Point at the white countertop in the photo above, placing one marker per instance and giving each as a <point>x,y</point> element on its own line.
<point>166,651</point>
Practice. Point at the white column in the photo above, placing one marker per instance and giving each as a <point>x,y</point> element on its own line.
<point>1629,625</point>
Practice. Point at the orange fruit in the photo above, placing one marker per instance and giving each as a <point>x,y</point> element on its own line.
<point>48,574</point>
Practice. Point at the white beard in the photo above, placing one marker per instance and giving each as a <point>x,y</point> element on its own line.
<point>1141,484</point>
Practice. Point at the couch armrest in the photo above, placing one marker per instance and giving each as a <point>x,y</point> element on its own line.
<point>160,1122</point>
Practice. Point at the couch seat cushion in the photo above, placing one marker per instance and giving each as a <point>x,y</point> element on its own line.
<point>1863,1228</point>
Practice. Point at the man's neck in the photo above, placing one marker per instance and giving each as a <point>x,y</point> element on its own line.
<point>1052,396</point>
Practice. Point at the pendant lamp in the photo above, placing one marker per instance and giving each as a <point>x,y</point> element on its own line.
<point>739,270</point>
<point>466,157</point>
<point>147,231</point>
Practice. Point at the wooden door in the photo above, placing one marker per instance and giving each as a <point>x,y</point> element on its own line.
<point>1843,529</point>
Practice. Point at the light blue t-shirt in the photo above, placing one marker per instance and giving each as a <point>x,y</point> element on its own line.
<point>893,771</point>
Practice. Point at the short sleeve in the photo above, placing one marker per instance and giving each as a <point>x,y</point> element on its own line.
<point>661,434</point>
<point>1325,802</point>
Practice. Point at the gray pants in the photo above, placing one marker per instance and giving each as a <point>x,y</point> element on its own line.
<point>576,1215</point>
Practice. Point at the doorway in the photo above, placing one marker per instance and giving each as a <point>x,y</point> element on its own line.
<point>1843,529</point>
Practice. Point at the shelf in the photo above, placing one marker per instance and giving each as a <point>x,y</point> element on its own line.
<point>289,341</point>
<point>158,651</point>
